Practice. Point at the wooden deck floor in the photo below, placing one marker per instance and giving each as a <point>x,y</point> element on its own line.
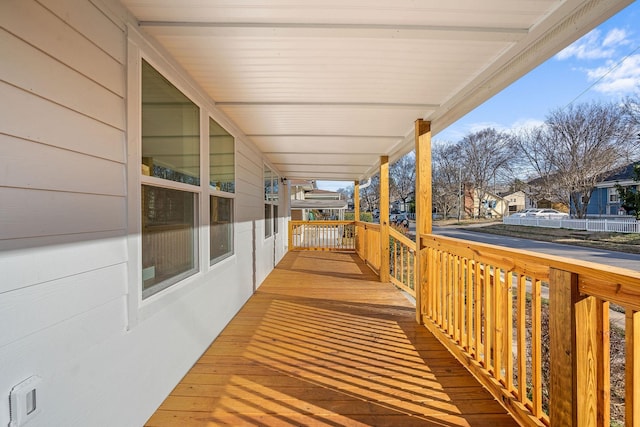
<point>324,343</point>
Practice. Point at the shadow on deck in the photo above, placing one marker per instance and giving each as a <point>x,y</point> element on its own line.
<point>324,343</point>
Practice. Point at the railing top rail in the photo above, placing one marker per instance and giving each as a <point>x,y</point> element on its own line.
<point>618,285</point>
<point>369,225</point>
<point>322,222</point>
<point>402,238</point>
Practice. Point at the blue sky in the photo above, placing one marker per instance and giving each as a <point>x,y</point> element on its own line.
<point>602,65</point>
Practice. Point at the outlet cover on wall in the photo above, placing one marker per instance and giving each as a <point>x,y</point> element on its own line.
<point>23,401</point>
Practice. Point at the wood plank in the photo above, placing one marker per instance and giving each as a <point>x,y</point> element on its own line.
<point>632,367</point>
<point>586,362</point>
<point>321,341</point>
<point>562,349</point>
<point>188,418</point>
<point>384,218</point>
<point>423,190</point>
<point>604,363</point>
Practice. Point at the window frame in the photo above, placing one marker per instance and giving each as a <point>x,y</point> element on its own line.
<point>157,182</point>
<point>215,192</point>
<point>139,308</point>
<point>271,223</point>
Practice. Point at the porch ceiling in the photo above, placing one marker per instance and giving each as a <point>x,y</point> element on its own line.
<point>325,87</point>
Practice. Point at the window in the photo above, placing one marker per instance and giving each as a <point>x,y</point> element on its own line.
<point>221,158</point>
<point>169,240</point>
<point>187,172</point>
<point>614,197</point>
<point>170,152</point>
<point>222,187</point>
<point>270,202</point>
<point>221,228</point>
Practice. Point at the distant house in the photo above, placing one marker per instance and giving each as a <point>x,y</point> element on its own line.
<point>605,199</point>
<point>488,205</point>
<point>310,203</point>
<point>516,201</point>
<point>398,205</point>
<point>537,197</point>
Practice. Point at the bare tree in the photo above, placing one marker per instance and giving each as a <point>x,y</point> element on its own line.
<point>576,147</point>
<point>347,192</point>
<point>447,179</point>
<point>487,156</point>
<point>631,109</point>
<point>370,196</point>
<point>402,176</point>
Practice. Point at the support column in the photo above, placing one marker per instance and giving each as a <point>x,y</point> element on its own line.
<point>356,200</point>
<point>384,219</point>
<point>423,207</point>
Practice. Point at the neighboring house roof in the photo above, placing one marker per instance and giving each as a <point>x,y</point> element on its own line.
<point>623,176</point>
<point>322,194</point>
<point>505,195</point>
<point>318,204</point>
<point>303,183</point>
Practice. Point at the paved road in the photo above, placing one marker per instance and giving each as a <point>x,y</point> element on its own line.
<point>617,259</point>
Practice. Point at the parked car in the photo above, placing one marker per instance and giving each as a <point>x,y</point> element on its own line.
<point>548,213</point>
<point>401,219</point>
<point>524,212</point>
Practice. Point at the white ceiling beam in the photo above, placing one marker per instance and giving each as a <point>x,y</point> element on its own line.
<point>278,30</point>
<point>325,104</point>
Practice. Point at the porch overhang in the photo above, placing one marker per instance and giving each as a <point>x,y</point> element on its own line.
<point>324,89</point>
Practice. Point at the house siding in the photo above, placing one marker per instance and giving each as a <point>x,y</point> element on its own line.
<point>65,252</point>
<point>599,203</point>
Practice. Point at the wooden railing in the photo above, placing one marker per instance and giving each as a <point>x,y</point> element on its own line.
<point>486,305</point>
<point>403,261</point>
<point>364,238</point>
<point>322,236</point>
<point>534,329</point>
<point>368,244</point>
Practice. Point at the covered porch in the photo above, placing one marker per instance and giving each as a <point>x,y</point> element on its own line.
<point>323,342</point>
<point>331,338</point>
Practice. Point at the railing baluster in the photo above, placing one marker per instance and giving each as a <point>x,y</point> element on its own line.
<point>497,323</point>
<point>487,317</point>
<point>632,394</point>
<point>522,337</point>
<point>508,330</point>
<point>478,310</point>
<point>469,303</point>
<point>603,357</point>
<point>536,347</point>
<point>453,298</point>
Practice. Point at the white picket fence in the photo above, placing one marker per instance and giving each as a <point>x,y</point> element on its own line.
<point>622,225</point>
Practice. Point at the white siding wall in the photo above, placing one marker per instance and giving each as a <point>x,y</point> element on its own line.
<point>64,260</point>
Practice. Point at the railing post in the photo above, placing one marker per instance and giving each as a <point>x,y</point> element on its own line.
<point>562,299</point>
<point>423,206</point>
<point>290,236</point>
<point>573,353</point>
<point>384,219</point>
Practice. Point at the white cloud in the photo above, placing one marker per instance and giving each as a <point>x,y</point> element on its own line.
<point>617,79</point>
<point>526,124</point>
<point>616,37</point>
<point>594,45</point>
